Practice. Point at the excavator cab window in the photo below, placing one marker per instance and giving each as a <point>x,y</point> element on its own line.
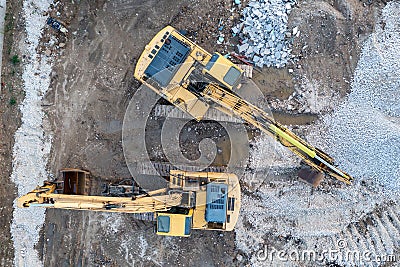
<point>188,225</point>
<point>163,224</point>
<point>232,76</point>
<point>212,61</point>
<point>174,224</point>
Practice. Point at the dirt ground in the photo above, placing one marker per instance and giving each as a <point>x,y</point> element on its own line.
<point>11,95</point>
<point>92,84</point>
<point>91,88</point>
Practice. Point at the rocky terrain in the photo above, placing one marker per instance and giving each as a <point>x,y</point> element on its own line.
<point>336,85</point>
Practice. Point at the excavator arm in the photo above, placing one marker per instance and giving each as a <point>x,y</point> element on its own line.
<point>253,115</point>
<point>45,196</point>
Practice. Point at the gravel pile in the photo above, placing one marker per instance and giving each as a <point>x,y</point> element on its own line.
<point>32,145</point>
<point>363,135</point>
<point>364,132</point>
<point>264,34</point>
<point>312,96</point>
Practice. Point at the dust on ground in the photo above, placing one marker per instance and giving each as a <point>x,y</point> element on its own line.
<point>92,83</point>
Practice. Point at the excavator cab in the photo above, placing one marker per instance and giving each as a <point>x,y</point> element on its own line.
<point>176,222</point>
<point>210,201</point>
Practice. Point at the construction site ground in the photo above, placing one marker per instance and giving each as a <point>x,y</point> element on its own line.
<point>92,85</point>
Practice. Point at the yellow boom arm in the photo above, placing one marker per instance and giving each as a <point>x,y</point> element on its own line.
<point>260,119</point>
<point>44,196</point>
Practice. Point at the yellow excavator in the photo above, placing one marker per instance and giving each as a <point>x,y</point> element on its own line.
<point>191,200</point>
<point>194,80</point>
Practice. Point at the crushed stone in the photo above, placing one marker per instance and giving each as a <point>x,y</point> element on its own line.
<point>32,144</point>
<point>362,134</point>
<point>264,34</point>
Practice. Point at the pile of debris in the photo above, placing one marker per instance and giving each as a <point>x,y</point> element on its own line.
<point>364,132</point>
<point>32,143</point>
<point>263,32</point>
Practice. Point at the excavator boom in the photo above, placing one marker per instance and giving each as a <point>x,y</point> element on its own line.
<point>261,120</point>
<point>100,203</point>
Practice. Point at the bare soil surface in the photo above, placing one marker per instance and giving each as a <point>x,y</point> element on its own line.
<point>92,84</point>
<point>327,51</point>
<point>11,95</point>
<point>91,88</point>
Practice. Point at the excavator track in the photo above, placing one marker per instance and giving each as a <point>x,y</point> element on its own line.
<point>164,168</point>
<point>146,216</point>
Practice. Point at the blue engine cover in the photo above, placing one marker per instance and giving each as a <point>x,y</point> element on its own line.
<point>216,202</point>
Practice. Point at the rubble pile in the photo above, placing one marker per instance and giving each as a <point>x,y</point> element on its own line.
<point>311,96</point>
<point>364,133</point>
<point>32,143</point>
<point>363,136</point>
<point>263,32</point>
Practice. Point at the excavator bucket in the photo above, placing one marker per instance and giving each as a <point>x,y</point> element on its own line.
<point>311,176</point>
<point>75,182</point>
